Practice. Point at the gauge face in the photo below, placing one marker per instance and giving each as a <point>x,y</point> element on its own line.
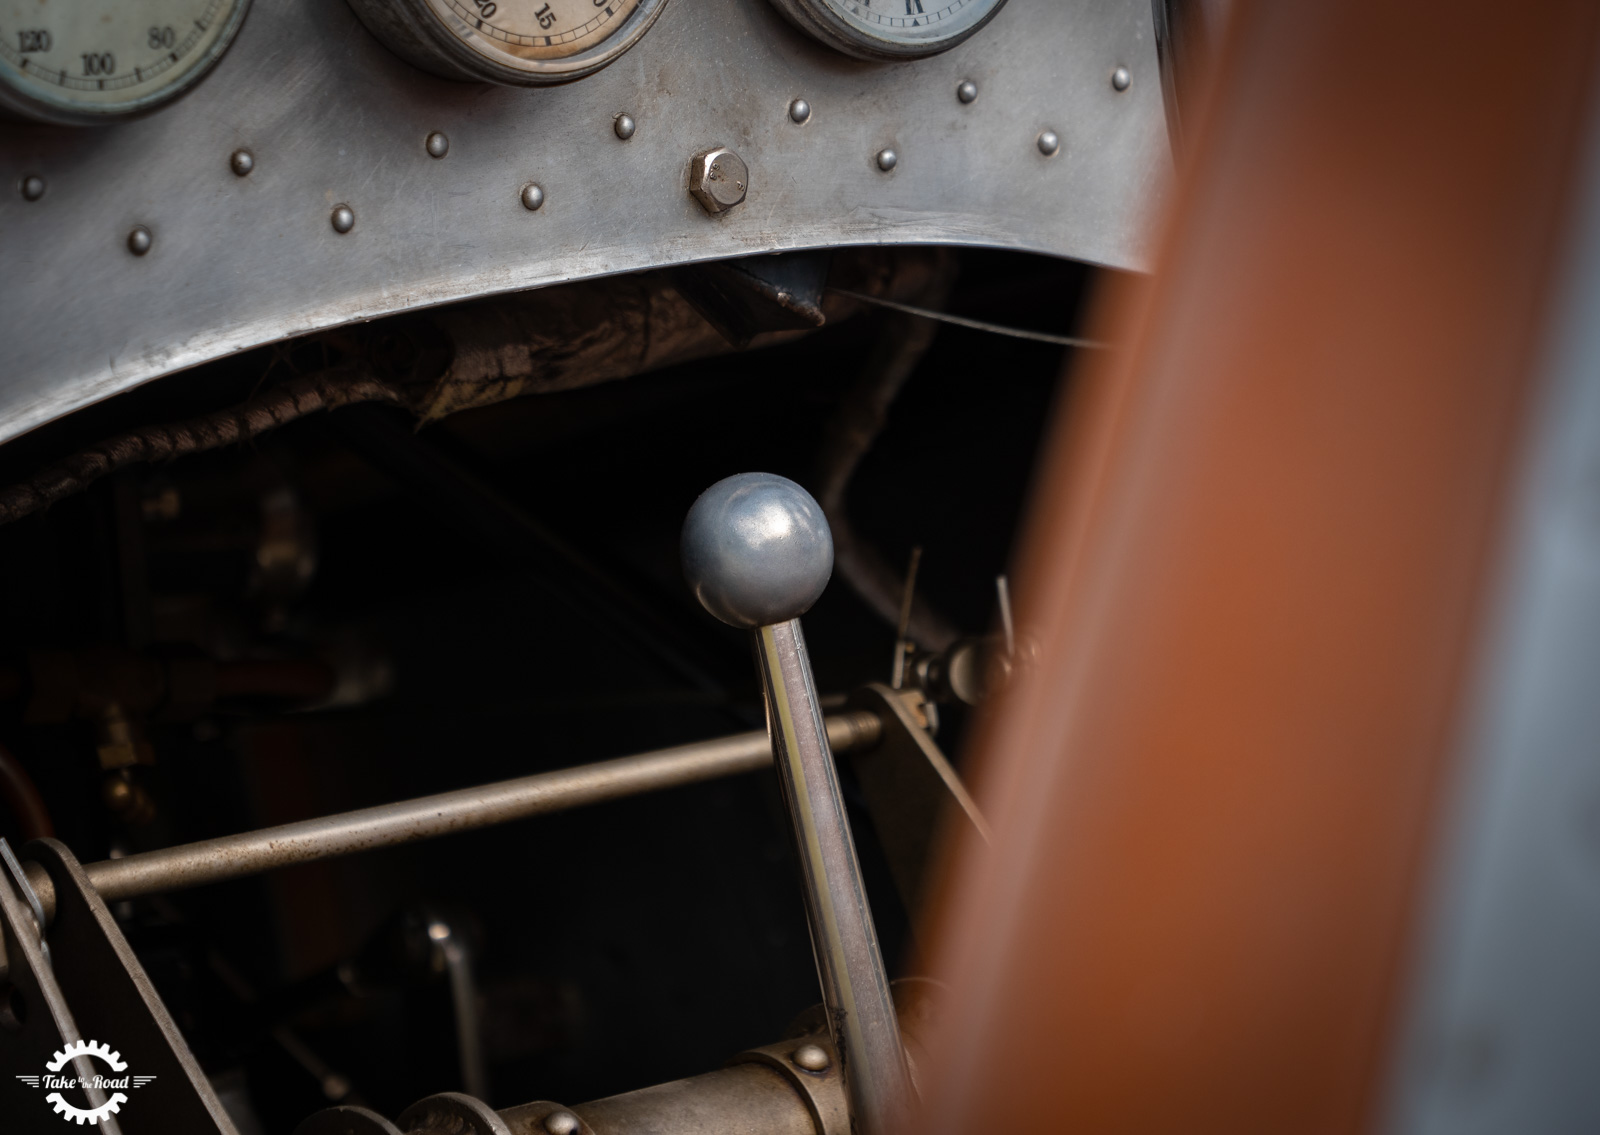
<point>87,61</point>
<point>890,29</point>
<point>518,42</point>
<point>537,29</point>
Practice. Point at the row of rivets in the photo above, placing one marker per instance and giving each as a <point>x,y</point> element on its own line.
<point>343,219</point>
<point>437,144</point>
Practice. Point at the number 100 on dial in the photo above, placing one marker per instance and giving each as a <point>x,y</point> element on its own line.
<point>81,62</point>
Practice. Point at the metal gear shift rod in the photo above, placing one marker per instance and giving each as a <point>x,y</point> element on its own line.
<point>758,553</point>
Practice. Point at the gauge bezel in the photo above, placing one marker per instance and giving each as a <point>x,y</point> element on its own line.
<point>819,21</point>
<point>16,101</point>
<point>417,33</point>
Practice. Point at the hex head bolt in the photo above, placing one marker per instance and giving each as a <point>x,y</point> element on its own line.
<point>719,180</point>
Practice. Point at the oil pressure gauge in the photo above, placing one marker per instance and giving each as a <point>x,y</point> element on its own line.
<point>890,29</point>
<point>80,62</point>
<point>519,42</point>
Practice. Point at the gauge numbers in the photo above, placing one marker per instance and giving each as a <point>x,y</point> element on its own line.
<point>540,29</point>
<point>87,61</point>
<point>516,42</point>
<point>890,29</point>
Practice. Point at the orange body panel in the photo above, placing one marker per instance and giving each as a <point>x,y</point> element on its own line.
<point>1255,566</point>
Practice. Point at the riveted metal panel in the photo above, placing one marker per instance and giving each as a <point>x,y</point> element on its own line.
<point>331,118</point>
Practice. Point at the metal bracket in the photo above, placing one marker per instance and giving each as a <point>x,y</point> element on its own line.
<point>910,789</point>
<point>96,973</point>
<point>819,1083</point>
<point>452,1113</point>
<point>742,298</point>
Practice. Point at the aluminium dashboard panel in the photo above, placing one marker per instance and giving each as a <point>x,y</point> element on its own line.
<point>332,118</point>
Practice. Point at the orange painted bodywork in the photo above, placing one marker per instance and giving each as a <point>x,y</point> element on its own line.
<point>1255,571</point>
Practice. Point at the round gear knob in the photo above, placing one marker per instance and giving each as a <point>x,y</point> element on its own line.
<point>757,550</point>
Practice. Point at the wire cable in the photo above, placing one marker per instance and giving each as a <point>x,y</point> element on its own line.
<point>976,324</point>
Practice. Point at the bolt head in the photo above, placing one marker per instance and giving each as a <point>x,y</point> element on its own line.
<point>624,125</point>
<point>1049,143</point>
<point>437,144</point>
<point>562,1122</point>
<point>344,218</point>
<point>811,1057</point>
<point>967,90</point>
<point>32,187</point>
<point>799,111</point>
<point>887,160</point>
<point>719,179</point>
<point>532,196</point>
<point>140,240</point>
<point>1121,79</point>
<point>241,162</point>
<point>756,550</point>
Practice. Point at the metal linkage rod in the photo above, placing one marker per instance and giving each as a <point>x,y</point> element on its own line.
<point>388,825</point>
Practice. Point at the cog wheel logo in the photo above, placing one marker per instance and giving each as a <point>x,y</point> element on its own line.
<point>86,1048</point>
<point>96,1086</point>
<point>78,1115</point>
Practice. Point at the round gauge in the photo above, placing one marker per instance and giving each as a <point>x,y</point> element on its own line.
<point>79,62</point>
<point>519,42</point>
<point>890,29</point>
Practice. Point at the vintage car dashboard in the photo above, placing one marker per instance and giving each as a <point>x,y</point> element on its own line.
<point>218,178</point>
<point>252,652</point>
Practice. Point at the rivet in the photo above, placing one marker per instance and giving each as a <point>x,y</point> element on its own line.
<point>887,160</point>
<point>532,196</point>
<point>562,1123</point>
<point>438,145</point>
<point>140,240</point>
<point>799,111</point>
<point>967,91</point>
<point>344,219</point>
<point>241,162</point>
<point>31,187</point>
<point>811,1057</point>
<point>1121,79</point>
<point>624,125</point>
<point>1049,143</point>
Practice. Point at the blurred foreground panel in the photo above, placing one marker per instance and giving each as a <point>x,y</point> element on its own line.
<point>1289,816</point>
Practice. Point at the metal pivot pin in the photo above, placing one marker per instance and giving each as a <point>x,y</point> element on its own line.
<point>758,553</point>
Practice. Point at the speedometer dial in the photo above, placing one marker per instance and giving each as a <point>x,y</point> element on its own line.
<point>87,61</point>
<point>890,29</point>
<point>520,42</point>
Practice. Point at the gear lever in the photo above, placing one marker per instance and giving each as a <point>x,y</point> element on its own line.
<point>757,553</point>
